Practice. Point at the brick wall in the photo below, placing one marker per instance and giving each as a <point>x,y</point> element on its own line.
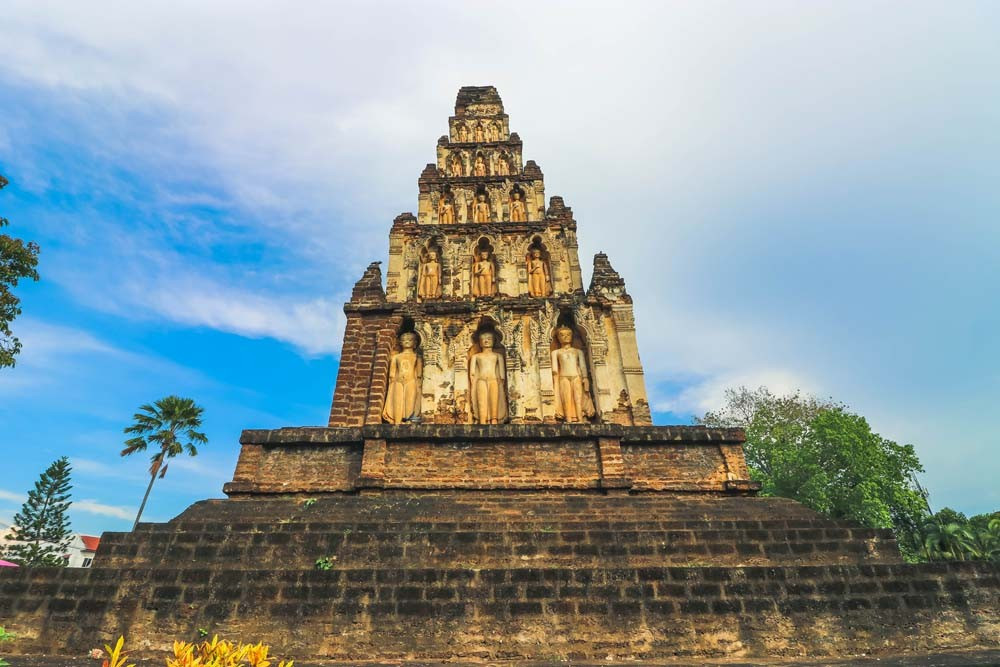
<point>297,468</point>
<point>364,367</point>
<point>539,613</point>
<point>493,464</point>
<point>656,467</point>
<point>509,456</point>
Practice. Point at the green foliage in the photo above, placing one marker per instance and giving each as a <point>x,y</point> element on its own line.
<point>829,459</point>
<point>170,426</point>
<point>308,502</point>
<point>324,563</point>
<point>949,535</point>
<point>17,261</point>
<point>5,637</point>
<point>41,532</point>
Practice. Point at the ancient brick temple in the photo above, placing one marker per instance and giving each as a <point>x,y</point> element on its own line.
<point>490,486</point>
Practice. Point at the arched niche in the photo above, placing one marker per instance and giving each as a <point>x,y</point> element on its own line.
<point>480,165</point>
<point>446,211</point>
<point>484,269</point>
<point>518,205</point>
<point>502,163</point>
<point>404,381</point>
<point>572,376</point>
<point>480,208</point>
<point>487,368</point>
<point>430,275</point>
<point>539,268</point>
<point>454,165</point>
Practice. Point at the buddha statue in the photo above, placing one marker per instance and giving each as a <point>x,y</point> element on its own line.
<point>479,168</point>
<point>518,211</point>
<point>446,211</point>
<point>570,381</point>
<point>429,281</point>
<point>479,133</point>
<point>487,380</point>
<point>481,210</point>
<point>492,134</point>
<point>483,275</point>
<point>402,399</point>
<point>538,274</point>
<point>463,133</point>
<point>456,166</point>
<point>503,167</point>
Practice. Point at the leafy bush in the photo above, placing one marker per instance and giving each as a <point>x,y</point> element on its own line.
<point>214,653</point>
<point>5,637</point>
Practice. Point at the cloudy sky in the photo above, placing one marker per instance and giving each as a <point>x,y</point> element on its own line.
<point>800,195</point>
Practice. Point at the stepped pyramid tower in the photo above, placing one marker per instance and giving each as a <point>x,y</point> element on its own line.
<point>489,488</point>
<point>485,253</point>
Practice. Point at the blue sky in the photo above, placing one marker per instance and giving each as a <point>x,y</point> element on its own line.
<point>801,195</point>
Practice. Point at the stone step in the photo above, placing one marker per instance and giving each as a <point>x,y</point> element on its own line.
<point>236,549</point>
<point>527,506</point>
<point>835,529</point>
<point>551,613</point>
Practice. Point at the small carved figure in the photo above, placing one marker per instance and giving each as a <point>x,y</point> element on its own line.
<point>518,212</point>
<point>483,275</point>
<point>538,274</point>
<point>487,379</point>
<point>492,134</point>
<point>405,372</point>
<point>479,169</point>
<point>463,133</point>
<point>481,211</point>
<point>479,133</point>
<point>503,167</point>
<point>456,166</point>
<point>429,283</point>
<point>570,381</point>
<point>446,211</point>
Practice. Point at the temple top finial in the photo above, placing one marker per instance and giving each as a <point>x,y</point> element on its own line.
<point>478,101</point>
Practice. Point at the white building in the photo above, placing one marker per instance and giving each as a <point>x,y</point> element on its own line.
<point>79,554</point>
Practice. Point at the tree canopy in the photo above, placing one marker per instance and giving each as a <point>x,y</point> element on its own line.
<point>168,425</point>
<point>18,260</point>
<point>821,454</point>
<point>41,533</point>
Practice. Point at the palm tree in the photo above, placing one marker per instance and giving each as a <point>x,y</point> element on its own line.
<point>164,424</point>
<point>948,541</point>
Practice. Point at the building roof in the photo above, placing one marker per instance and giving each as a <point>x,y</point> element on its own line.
<point>90,543</point>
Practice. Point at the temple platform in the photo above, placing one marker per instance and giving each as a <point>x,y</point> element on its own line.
<point>495,576</point>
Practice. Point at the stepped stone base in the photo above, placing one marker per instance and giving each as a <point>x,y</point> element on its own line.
<point>507,456</point>
<point>492,576</point>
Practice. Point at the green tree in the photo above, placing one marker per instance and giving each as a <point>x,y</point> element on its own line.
<point>165,425</point>
<point>819,453</point>
<point>949,535</point>
<point>947,540</point>
<point>41,532</point>
<point>17,260</point>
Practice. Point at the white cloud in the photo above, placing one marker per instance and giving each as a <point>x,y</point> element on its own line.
<point>11,496</point>
<point>91,506</point>
<point>709,394</point>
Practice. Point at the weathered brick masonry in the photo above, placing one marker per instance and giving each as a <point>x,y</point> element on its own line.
<point>513,456</point>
